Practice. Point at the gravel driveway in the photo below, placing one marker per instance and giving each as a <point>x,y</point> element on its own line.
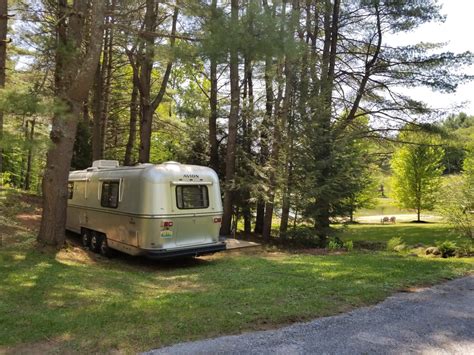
<point>436,320</point>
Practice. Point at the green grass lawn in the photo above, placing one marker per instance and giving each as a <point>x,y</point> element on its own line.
<point>76,301</point>
<point>411,233</point>
<point>383,206</point>
<point>125,305</point>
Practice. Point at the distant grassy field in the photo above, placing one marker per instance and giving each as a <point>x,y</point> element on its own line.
<point>411,233</point>
<point>76,301</point>
<point>383,206</point>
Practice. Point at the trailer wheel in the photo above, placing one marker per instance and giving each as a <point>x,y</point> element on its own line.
<point>86,237</point>
<point>104,249</point>
<point>96,238</point>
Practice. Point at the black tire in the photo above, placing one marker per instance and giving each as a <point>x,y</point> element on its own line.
<point>86,238</point>
<point>104,249</point>
<point>96,239</point>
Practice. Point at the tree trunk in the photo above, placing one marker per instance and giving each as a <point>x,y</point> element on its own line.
<point>295,220</point>
<point>247,112</point>
<point>322,117</point>
<point>285,209</point>
<point>31,138</point>
<point>132,126</point>
<point>288,183</point>
<point>233,120</point>
<point>214,147</point>
<point>73,79</point>
<point>276,142</point>
<point>281,118</point>
<point>264,136</point>
<point>97,115</point>
<point>107,73</point>
<point>149,105</point>
<point>3,60</point>
<point>145,131</point>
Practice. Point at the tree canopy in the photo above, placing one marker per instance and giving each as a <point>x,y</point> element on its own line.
<point>270,94</point>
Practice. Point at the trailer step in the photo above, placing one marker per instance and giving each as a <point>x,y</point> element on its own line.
<point>232,243</point>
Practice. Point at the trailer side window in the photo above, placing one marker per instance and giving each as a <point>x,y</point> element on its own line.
<point>70,190</point>
<point>192,196</point>
<point>110,194</point>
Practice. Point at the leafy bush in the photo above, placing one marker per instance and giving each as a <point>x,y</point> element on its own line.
<point>465,248</point>
<point>396,244</point>
<point>349,245</point>
<point>457,205</point>
<point>301,237</point>
<point>5,179</point>
<point>335,243</point>
<point>447,248</point>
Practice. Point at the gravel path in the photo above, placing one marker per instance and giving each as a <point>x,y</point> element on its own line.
<point>436,320</point>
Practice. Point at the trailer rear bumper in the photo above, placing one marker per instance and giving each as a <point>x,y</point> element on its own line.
<point>190,251</point>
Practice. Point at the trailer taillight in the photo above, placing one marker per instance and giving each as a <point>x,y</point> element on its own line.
<point>217,219</point>
<point>167,223</point>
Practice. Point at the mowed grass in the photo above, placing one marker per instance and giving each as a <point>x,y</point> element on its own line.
<point>75,301</point>
<point>411,233</point>
<point>383,206</point>
<point>104,305</point>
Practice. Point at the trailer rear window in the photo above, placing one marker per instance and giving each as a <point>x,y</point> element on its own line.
<point>192,196</point>
<point>110,194</point>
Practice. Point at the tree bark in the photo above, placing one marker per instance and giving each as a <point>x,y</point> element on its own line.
<point>214,147</point>
<point>132,132</point>
<point>286,202</point>
<point>246,140</point>
<point>73,79</point>
<point>107,75</point>
<point>275,156</point>
<point>264,137</point>
<point>97,115</point>
<point>149,105</point>
<point>281,119</point>
<point>233,121</point>
<point>3,60</point>
<point>322,117</point>
<point>31,136</point>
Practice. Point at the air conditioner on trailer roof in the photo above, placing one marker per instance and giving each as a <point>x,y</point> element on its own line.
<point>105,164</point>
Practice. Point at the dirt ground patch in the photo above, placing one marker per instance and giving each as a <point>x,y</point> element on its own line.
<point>30,221</point>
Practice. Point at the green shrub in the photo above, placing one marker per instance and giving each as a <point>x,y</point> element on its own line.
<point>301,237</point>
<point>396,244</point>
<point>335,243</point>
<point>348,245</point>
<point>5,179</point>
<point>447,248</point>
<point>465,248</point>
<point>457,204</point>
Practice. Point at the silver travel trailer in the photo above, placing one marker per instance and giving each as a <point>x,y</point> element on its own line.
<point>159,211</point>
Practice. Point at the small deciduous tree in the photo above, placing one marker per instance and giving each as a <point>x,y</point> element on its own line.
<point>457,203</point>
<point>417,170</point>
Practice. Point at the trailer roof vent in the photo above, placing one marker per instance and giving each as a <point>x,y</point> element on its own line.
<point>105,164</point>
<point>171,162</point>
